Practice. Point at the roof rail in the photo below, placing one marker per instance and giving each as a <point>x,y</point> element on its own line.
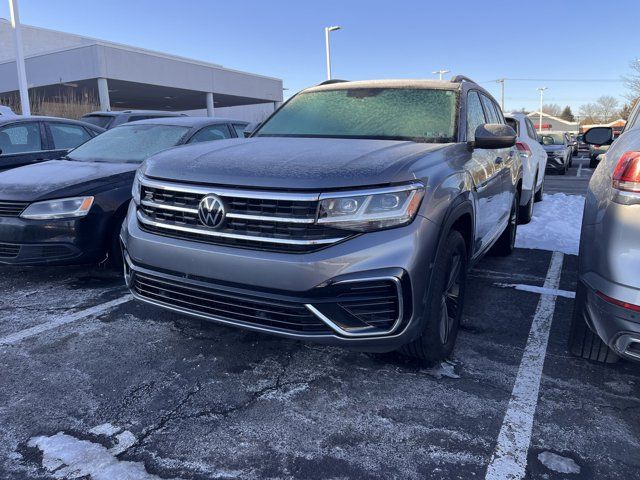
<point>460,79</point>
<point>331,81</point>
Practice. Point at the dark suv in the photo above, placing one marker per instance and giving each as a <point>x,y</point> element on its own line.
<point>350,217</point>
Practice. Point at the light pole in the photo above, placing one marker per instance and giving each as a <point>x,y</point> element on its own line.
<point>541,90</point>
<point>440,73</point>
<point>328,47</point>
<point>501,82</point>
<point>22,74</point>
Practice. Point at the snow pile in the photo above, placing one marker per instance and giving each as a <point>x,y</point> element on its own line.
<point>558,463</point>
<point>555,225</point>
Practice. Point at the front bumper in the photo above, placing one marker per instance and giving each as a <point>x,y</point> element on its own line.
<point>555,164</point>
<point>207,281</point>
<point>47,242</point>
<point>618,327</point>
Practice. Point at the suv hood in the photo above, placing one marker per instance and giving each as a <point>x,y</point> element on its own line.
<point>61,178</point>
<point>291,163</point>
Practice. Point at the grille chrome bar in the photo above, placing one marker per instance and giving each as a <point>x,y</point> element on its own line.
<point>212,233</point>
<point>12,209</point>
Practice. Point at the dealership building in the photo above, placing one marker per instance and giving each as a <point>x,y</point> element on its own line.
<point>553,124</point>
<point>122,77</point>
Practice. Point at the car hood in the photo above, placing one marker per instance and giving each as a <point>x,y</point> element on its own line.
<point>291,163</point>
<point>61,178</point>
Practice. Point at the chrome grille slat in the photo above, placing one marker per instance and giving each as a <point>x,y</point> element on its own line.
<point>12,209</point>
<point>260,220</point>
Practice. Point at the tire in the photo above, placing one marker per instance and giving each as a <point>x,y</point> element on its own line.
<point>539,196</point>
<point>444,301</point>
<point>564,170</point>
<point>114,253</point>
<point>506,242</point>
<point>583,342</point>
<point>526,211</point>
<point>593,163</point>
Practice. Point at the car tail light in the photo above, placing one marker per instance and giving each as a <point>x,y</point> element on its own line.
<point>626,176</point>
<point>619,303</point>
<point>524,149</point>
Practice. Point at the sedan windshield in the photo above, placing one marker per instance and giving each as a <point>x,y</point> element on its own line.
<point>421,115</point>
<point>552,139</point>
<point>128,143</point>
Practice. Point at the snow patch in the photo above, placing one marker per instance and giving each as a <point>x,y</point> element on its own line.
<point>105,429</point>
<point>555,225</point>
<point>558,463</point>
<point>445,369</point>
<point>68,457</point>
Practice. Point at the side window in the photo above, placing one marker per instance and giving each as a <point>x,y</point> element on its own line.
<point>67,136</point>
<point>490,110</point>
<point>239,130</point>
<point>531,129</point>
<point>212,132</point>
<point>20,138</point>
<point>475,115</point>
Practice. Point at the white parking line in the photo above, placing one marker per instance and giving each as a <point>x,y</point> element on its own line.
<point>509,459</point>
<point>535,289</point>
<point>63,320</point>
<point>579,172</point>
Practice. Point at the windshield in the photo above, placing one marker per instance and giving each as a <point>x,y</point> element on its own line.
<point>552,139</point>
<point>102,121</point>
<point>422,115</point>
<point>128,143</point>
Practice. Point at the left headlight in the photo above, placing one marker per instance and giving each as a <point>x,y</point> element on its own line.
<point>60,208</point>
<point>369,210</point>
<point>135,189</point>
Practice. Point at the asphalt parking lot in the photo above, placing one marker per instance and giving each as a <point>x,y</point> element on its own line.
<point>96,386</point>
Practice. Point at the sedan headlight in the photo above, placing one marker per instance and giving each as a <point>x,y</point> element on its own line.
<point>60,208</point>
<point>369,210</point>
<point>135,189</point>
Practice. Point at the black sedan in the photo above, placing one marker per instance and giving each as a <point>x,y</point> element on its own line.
<point>70,210</point>
<point>30,139</point>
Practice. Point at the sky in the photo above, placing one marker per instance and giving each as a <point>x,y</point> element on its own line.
<point>561,45</point>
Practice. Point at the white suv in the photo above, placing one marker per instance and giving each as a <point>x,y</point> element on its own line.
<point>534,163</point>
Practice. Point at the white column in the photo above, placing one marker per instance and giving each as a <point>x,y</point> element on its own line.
<point>22,74</point>
<point>210,110</point>
<point>103,95</point>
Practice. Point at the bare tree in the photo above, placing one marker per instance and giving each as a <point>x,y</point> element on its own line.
<point>608,106</point>
<point>589,114</point>
<point>552,109</point>
<point>632,81</point>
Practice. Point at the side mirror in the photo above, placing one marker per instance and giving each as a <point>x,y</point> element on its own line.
<point>251,128</point>
<point>598,136</point>
<point>495,135</point>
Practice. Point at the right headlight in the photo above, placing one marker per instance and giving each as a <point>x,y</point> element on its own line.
<point>373,209</point>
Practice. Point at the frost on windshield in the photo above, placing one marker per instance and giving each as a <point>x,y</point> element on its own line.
<point>412,113</point>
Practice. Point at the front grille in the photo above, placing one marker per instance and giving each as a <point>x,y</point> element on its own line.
<point>9,250</point>
<point>218,303</point>
<point>11,209</point>
<point>375,303</point>
<point>282,223</point>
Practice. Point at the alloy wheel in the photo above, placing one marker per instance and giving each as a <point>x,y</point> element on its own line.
<point>450,302</point>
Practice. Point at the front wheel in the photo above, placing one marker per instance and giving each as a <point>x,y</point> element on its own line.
<point>443,303</point>
<point>507,241</point>
<point>526,211</point>
<point>540,192</point>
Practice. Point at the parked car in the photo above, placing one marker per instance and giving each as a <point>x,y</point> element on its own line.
<point>606,319</point>
<point>6,112</point>
<point>582,146</point>
<point>70,210</point>
<point>350,217</point>
<point>558,151</point>
<point>534,163</point>
<point>30,139</point>
<point>110,119</point>
<point>595,154</point>
<point>573,143</point>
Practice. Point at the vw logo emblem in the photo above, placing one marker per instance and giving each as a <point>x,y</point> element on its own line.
<point>211,211</point>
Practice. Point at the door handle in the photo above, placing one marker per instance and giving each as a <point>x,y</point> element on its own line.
<point>498,160</point>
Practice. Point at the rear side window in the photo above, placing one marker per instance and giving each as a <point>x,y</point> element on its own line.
<point>531,130</point>
<point>210,133</point>
<point>20,138</point>
<point>475,115</point>
<point>67,136</point>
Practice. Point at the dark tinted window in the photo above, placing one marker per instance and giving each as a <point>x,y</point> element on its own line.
<point>67,136</point>
<point>475,115</point>
<point>210,133</point>
<point>102,121</point>
<point>20,138</point>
